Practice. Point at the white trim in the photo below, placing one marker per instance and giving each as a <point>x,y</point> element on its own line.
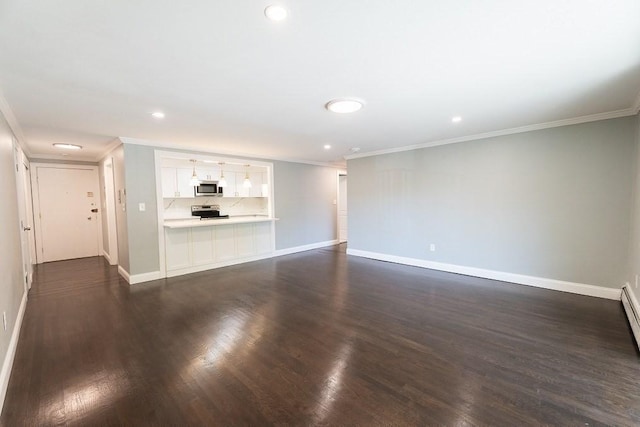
<point>296,249</point>
<point>183,150</point>
<point>7,365</point>
<point>520,279</point>
<point>106,256</point>
<point>144,277</point>
<point>548,125</point>
<point>124,273</point>
<point>632,308</point>
<point>13,123</point>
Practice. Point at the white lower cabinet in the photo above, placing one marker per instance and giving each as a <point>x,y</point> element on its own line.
<point>262,237</point>
<point>177,248</point>
<point>225,242</point>
<point>200,248</point>
<point>202,251</point>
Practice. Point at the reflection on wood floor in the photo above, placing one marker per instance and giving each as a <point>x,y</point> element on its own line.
<point>316,338</point>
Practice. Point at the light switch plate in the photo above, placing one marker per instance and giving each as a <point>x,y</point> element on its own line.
<point>142,207</point>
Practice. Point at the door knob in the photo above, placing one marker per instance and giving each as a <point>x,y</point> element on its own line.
<point>94,210</point>
<point>89,218</point>
<point>26,228</point>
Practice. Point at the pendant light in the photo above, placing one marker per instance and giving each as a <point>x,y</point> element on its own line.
<point>222,182</point>
<point>247,181</point>
<point>194,177</point>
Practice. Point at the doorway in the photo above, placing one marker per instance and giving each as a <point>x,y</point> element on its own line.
<point>342,208</point>
<point>66,213</point>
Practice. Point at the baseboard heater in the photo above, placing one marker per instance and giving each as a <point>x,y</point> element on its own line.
<point>633,313</point>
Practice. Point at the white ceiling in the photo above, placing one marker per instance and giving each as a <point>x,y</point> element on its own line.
<point>229,80</point>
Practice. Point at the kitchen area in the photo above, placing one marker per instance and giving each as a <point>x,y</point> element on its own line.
<point>214,212</point>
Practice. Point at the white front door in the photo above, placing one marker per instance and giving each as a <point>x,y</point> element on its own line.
<point>67,212</point>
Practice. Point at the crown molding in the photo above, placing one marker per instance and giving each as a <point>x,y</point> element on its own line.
<point>540,126</point>
<point>13,123</point>
<point>182,148</point>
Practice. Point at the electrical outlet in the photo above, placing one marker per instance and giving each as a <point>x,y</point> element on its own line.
<point>4,320</point>
<point>432,247</point>
<point>142,207</point>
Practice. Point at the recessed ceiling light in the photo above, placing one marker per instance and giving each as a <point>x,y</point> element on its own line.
<point>344,105</point>
<point>327,147</point>
<point>275,12</point>
<point>354,149</point>
<point>68,146</point>
<point>158,115</point>
<point>456,119</point>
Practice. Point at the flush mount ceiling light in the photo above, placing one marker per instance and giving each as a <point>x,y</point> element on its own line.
<point>222,182</point>
<point>327,147</point>
<point>194,181</point>
<point>344,105</point>
<point>68,146</point>
<point>456,119</point>
<point>247,181</point>
<point>275,12</point>
<point>158,115</point>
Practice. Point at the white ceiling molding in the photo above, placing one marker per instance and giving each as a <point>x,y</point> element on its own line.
<point>13,123</point>
<point>540,126</point>
<point>174,146</point>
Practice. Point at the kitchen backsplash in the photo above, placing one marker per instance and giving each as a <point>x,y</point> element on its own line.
<point>181,208</point>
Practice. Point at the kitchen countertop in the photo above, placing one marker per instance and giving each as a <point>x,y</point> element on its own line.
<point>186,223</point>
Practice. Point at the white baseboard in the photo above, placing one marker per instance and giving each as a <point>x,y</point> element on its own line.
<point>11,352</point>
<point>107,257</point>
<point>124,273</point>
<point>632,308</point>
<point>295,249</point>
<point>539,282</point>
<point>144,277</point>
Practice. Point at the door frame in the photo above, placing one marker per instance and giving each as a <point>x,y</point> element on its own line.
<point>338,175</point>
<point>36,202</point>
<point>110,210</point>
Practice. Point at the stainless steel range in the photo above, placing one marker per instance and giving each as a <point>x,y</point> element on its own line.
<point>206,212</point>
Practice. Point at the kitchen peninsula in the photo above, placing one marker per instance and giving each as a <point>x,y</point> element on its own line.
<point>242,229</point>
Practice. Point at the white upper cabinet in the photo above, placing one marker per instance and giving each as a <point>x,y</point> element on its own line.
<point>175,183</point>
<point>230,189</point>
<point>208,173</point>
<point>175,180</point>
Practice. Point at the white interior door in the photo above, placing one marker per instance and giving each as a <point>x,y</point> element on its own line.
<point>342,208</point>
<point>25,227</point>
<point>67,212</point>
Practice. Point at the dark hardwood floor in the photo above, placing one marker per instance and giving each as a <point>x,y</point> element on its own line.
<point>317,338</point>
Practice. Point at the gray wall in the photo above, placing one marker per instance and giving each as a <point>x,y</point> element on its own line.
<point>11,284</point>
<point>139,167</point>
<point>304,197</point>
<point>634,247</point>
<point>553,203</point>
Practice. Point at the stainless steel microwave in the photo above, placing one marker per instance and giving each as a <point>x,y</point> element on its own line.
<point>207,189</point>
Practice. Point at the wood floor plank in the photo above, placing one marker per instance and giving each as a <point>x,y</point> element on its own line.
<point>316,338</point>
